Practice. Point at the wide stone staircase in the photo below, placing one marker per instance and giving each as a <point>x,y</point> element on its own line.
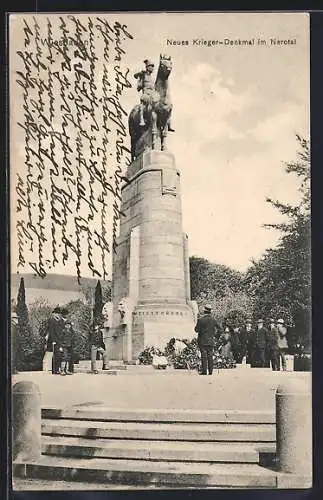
<point>165,448</point>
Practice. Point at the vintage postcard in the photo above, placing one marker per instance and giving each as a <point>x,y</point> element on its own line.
<point>160,250</point>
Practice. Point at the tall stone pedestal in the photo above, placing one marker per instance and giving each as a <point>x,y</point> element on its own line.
<point>150,267</point>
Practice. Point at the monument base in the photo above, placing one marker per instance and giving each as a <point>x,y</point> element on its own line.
<point>152,325</point>
<point>156,324</point>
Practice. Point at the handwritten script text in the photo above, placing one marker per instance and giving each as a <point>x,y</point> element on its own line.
<point>72,125</point>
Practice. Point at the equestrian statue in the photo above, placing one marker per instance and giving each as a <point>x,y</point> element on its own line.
<point>150,120</point>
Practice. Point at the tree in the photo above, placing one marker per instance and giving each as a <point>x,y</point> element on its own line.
<point>98,304</point>
<point>106,292</point>
<point>280,281</point>
<point>212,280</point>
<point>21,307</point>
<point>235,317</point>
<point>221,287</point>
<point>232,309</point>
<point>39,313</point>
<point>80,315</point>
<point>23,342</point>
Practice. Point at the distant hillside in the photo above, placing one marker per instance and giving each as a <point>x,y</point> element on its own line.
<point>52,282</point>
<point>55,289</point>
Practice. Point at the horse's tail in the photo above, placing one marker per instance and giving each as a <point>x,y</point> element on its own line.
<point>133,147</point>
<point>132,132</point>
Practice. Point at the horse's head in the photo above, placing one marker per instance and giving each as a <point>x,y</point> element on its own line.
<point>165,66</point>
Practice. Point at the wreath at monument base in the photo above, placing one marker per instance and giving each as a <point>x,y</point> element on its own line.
<point>146,356</point>
<point>188,359</point>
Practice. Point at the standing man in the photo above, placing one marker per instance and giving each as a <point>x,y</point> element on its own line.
<point>55,332</point>
<point>67,344</point>
<point>259,346</point>
<point>245,335</point>
<point>97,348</point>
<point>272,348</point>
<point>236,345</point>
<point>268,350</point>
<point>207,332</point>
<point>282,342</point>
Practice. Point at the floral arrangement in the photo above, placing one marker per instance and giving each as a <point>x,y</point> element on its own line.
<point>146,356</point>
<point>188,359</point>
<point>222,361</point>
<point>302,360</point>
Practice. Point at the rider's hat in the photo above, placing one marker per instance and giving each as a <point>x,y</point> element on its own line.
<point>148,62</point>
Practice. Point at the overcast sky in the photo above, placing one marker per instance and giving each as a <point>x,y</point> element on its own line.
<point>236,112</point>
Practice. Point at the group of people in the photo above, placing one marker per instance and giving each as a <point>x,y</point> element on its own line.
<point>60,340</point>
<point>260,345</point>
<point>61,344</point>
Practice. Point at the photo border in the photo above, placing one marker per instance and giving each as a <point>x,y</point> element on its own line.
<point>316,24</point>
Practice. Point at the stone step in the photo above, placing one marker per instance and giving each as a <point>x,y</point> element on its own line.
<point>160,431</point>
<point>147,473</point>
<point>106,413</point>
<point>184,451</point>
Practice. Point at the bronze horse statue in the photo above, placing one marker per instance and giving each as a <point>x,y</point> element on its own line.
<point>157,114</point>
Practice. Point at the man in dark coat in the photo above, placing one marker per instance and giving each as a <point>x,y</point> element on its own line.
<point>98,347</point>
<point>282,342</point>
<point>55,331</point>
<point>245,335</point>
<point>258,345</point>
<point>237,349</point>
<point>67,345</point>
<point>272,347</point>
<point>208,333</point>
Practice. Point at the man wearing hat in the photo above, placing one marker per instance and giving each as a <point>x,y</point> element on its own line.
<point>282,341</point>
<point>245,334</point>
<point>208,332</point>
<point>97,348</point>
<point>149,95</point>
<point>272,348</point>
<point>259,345</point>
<point>67,344</point>
<point>55,331</point>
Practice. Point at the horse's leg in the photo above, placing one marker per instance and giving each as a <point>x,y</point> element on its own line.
<point>133,140</point>
<point>162,139</point>
<point>154,128</point>
<point>163,135</point>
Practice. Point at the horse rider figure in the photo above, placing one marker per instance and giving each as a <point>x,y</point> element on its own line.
<point>149,95</point>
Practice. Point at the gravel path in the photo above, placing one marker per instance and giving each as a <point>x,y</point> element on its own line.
<point>239,389</point>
